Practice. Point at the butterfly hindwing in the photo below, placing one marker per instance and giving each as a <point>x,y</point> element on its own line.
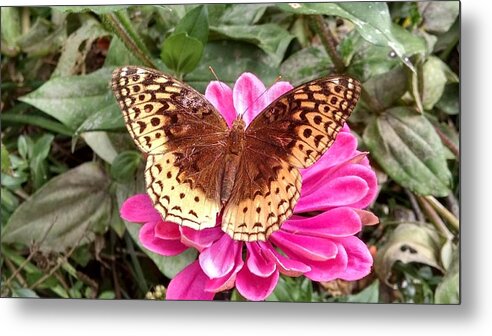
<point>264,198</point>
<point>292,132</point>
<point>183,135</point>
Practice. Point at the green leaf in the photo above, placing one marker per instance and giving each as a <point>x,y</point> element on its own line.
<point>36,120</point>
<point>101,144</point>
<point>116,223</point>
<point>450,99</point>
<point>237,297</point>
<point>243,14</point>
<point>230,59</point>
<point>195,24</point>
<point>305,65</point>
<point>448,40</point>
<point>42,38</point>
<point>434,81</point>
<point>106,119</point>
<point>438,16</point>
<point>73,99</point>
<point>24,293</point>
<point>169,266</point>
<point>10,30</point>
<point>65,209</point>
<point>76,47</point>
<point>83,9</point>
<point>37,163</point>
<point>407,147</point>
<point>448,291</point>
<point>408,243</point>
<point>181,53</point>
<point>370,294</point>
<point>6,169</point>
<point>24,146</point>
<point>292,290</point>
<point>8,201</point>
<point>388,87</point>
<point>119,55</point>
<point>107,295</point>
<point>366,60</point>
<point>371,19</point>
<point>270,37</point>
<point>125,165</point>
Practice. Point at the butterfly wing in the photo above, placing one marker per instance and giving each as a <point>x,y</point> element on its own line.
<point>292,132</point>
<point>184,137</point>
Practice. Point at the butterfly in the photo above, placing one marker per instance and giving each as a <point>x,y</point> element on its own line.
<point>199,170</point>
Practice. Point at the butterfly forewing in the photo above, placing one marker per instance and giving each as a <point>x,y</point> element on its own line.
<point>302,124</point>
<point>184,137</point>
<point>292,132</point>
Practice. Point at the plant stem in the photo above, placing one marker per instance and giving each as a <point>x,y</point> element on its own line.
<point>31,255</point>
<point>448,143</point>
<point>328,41</point>
<point>121,26</point>
<point>434,218</point>
<point>25,20</point>
<point>445,213</point>
<point>415,206</point>
<point>136,265</point>
<point>14,273</point>
<point>59,263</point>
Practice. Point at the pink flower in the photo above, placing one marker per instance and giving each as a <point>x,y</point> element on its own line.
<point>321,247</point>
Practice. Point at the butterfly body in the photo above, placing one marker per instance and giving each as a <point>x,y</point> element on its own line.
<point>199,170</point>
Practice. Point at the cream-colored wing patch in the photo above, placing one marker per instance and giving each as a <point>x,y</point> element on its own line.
<point>176,200</point>
<point>256,217</point>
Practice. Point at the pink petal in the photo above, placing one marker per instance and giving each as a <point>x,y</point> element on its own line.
<point>189,284</point>
<point>254,287</point>
<point>257,262</point>
<point>161,246</point>
<point>220,95</point>
<point>167,230</point>
<point>313,248</point>
<point>330,269</point>
<point>226,282</point>
<point>316,187</point>
<point>343,149</point>
<point>367,217</point>
<point>339,191</point>
<point>139,209</point>
<point>277,89</point>
<point>369,176</point>
<point>287,266</point>
<point>200,239</point>
<point>359,258</point>
<point>218,259</point>
<point>338,222</point>
<point>248,95</point>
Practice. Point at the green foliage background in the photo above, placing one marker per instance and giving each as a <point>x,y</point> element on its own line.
<point>67,162</point>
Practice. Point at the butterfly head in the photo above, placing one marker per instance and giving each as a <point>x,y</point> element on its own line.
<point>238,124</point>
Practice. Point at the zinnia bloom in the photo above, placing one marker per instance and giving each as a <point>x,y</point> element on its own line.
<point>321,247</point>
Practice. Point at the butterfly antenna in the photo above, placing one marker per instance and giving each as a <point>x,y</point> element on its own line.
<point>279,77</point>
<point>216,77</point>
